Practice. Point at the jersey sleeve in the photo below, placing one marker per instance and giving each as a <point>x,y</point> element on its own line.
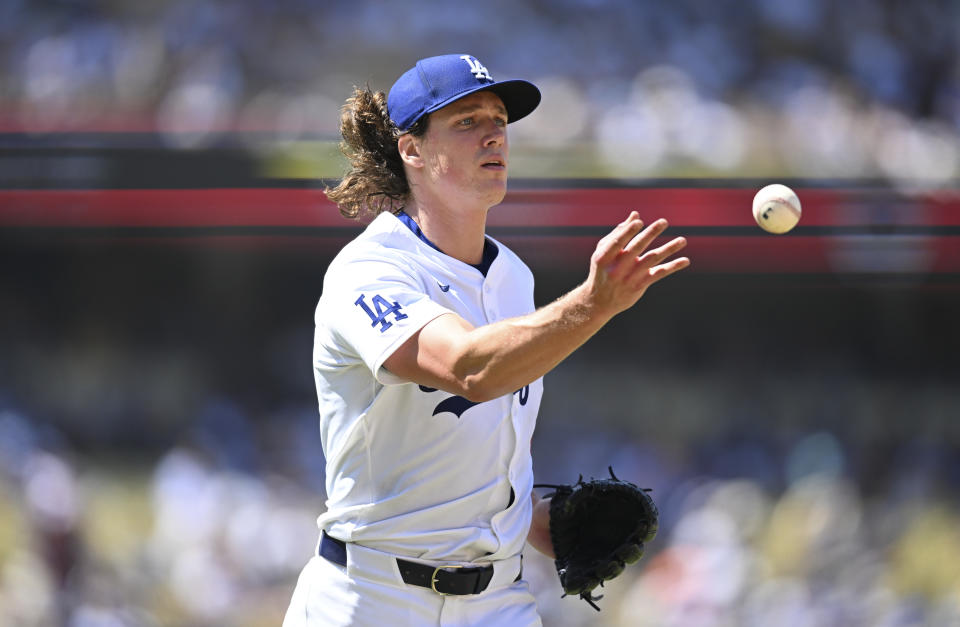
<point>371,307</point>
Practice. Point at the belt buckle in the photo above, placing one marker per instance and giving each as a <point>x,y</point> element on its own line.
<point>433,579</point>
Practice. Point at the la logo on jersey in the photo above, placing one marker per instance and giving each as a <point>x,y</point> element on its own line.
<point>477,68</point>
<point>381,309</point>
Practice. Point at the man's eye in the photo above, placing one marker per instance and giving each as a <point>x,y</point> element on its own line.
<point>466,121</point>
<point>501,121</point>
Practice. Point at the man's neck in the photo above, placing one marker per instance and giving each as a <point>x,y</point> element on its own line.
<point>458,234</point>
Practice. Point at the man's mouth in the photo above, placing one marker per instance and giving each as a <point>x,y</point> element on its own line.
<point>495,164</point>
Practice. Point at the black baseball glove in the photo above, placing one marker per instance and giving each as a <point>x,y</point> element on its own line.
<point>598,527</point>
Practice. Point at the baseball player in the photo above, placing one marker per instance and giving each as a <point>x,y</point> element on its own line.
<point>429,356</point>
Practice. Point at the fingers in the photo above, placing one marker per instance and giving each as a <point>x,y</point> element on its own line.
<point>652,266</point>
<point>633,259</point>
<point>621,252</point>
<point>657,255</point>
<point>640,242</point>
<point>610,247</point>
<point>662,271</point>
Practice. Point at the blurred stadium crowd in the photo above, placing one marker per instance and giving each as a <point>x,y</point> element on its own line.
<point>195,541</point>
<point>810,88</point>
<point>138,487</point>
<point>164,470</point>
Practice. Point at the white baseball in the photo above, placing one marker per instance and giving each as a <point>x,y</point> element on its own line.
<point>776,208</point>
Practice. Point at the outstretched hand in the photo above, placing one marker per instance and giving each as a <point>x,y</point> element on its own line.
<point>621,267</point>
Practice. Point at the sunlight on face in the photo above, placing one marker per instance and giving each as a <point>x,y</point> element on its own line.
<point>465,151</point>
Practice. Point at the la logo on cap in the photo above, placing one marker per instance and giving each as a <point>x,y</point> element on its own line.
<point>435,82</point>
<point>477,68</point>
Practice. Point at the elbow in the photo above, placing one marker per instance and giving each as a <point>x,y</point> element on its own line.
<point>475,377</point>
<point>476,383</point>
<point>478,389</point>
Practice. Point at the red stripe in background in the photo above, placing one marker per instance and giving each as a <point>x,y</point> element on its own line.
<point>532,208</point>
<point>579,207</point>
<point>721,207</point>
<point>559,207</point>
<point>167,207</point>
<point>707,254</point>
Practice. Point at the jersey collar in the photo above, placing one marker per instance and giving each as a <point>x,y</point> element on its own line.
<point>490,249</point>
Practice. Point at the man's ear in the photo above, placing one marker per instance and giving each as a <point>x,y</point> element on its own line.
<point>409,147</point>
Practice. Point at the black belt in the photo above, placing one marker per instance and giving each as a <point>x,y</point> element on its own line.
<point>441,579</point>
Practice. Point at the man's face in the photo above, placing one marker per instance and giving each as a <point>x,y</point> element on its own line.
<point>465,151</point>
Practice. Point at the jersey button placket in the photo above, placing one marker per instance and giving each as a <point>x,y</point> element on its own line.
<point>488,305</point>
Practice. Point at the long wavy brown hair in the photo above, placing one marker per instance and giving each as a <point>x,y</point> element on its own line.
<point>376,181</point>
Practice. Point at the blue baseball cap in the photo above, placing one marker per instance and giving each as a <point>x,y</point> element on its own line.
<point>435,82</point>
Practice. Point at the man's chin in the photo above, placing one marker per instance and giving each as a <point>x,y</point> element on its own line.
<point>495,194</point>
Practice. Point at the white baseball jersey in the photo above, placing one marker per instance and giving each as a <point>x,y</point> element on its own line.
<point>413,471</point>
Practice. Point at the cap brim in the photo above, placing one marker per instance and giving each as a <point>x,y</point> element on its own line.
<point>520,97</point>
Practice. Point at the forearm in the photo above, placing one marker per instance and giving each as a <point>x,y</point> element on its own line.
<point>499,358</point>
<point>482,363</point>
<point>539,535</point>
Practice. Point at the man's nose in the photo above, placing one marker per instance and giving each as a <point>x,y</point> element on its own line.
<point>495,136</point>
